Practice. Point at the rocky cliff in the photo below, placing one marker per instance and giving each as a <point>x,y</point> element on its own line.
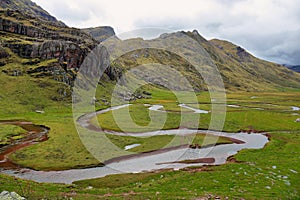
<point>100,33</point>
<point>63,49</point>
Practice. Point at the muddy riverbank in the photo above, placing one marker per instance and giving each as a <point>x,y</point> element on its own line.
<point>35,134</point>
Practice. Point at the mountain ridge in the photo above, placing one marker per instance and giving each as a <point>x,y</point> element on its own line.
<point>41,41</point>
<point>295,68</point>
<point>30,8</point>
<point>239,69</point>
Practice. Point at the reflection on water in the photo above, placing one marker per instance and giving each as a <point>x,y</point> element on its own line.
<point>295,108</point>
<point>131,146</point>
<point>194,109</point>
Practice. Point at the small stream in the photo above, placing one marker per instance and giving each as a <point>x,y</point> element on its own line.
<point>35,134</point>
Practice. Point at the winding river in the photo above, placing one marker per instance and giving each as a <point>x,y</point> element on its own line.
<point>35,134</point>
<point>156,160</point>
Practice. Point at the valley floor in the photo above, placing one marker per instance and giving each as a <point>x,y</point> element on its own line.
<point>268,173</point>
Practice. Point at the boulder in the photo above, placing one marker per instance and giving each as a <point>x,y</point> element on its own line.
<point>5,195</point>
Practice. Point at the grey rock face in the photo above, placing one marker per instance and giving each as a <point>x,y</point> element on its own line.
<point>5,195</point>
<point>100,33</point>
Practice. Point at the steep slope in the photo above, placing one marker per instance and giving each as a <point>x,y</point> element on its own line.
<point>25,37</point>
<point>31,9</point>
<point>35,49</point>
<point>242,71</point>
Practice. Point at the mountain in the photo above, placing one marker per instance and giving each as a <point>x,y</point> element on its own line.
<point>240,70</point>
<point>43,46</point>
<point>42,52</point>
<point>295,68</point>
<point>27,37</point>
<point>100,33</point>
<point>35,46</point>
<point>30,9</point>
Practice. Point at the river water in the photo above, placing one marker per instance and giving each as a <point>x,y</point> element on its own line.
<point>147,161</point>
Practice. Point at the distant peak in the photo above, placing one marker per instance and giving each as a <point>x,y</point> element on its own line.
<point>196,32</point>
<point>196,36</point>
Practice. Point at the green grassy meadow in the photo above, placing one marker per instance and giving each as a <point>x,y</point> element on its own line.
<point>8,132</point>
<point>258,111</point>
<point>269,173</point>
<point>254,177</point>
<point>157,142</point>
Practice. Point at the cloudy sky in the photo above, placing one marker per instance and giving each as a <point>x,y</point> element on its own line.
<point>270,29</point>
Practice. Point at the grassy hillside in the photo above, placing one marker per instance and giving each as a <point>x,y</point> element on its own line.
<point>241,71</point>
<point>23,95</point>
<point>22,98</point>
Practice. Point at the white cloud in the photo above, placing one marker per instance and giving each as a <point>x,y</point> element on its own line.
<point>249,23</point>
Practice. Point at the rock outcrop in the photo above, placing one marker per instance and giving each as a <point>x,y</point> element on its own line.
<point>33,38</point>
<point>67,53</point>
<point>100,33</point>
<point>39,40</point>
<point>21,24</point>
